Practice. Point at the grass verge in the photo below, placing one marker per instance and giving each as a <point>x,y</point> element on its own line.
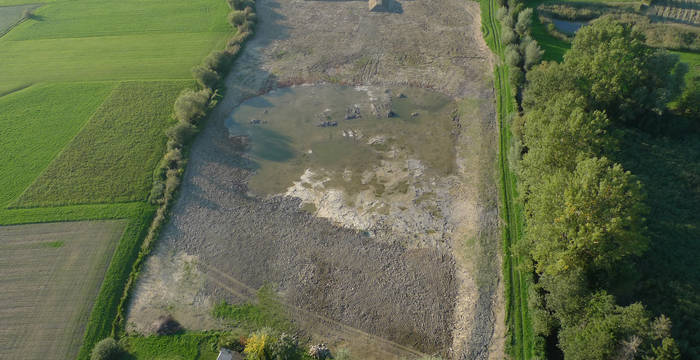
<point>520,335</point>
<point>187,346</point>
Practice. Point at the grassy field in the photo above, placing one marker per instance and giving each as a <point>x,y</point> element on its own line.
<point>188,346</point>
<point>35,124</point>
<point>51,273</point>
<point>112,158</point>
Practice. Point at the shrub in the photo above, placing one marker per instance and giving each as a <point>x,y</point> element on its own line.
<point>517,78</point>
<point>191,105</point>
<point>217,60</point>
<point>508,35</point>
<point>180,133</point>
<point>522,26</point>
<point>28,14</point>
<point>533,54</point>
<point>106,349</point>
<point>236,17</point>
<point>232,342</point>
<point>240,4</point>
<point>320,352</point>
<point>501,13</point>
<point>206,77</point>
<point>513,57</point>
<point>259,344</point>
<point>285,348</point>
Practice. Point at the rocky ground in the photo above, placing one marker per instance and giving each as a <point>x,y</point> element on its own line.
<point>383,294</point>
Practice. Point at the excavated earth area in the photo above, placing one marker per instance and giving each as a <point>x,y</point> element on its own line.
<point>352,164</point>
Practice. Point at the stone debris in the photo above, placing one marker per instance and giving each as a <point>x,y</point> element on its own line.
<point>353,112</point>
<point>328,124</point>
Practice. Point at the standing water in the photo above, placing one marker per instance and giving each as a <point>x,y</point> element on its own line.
<point>341,133</point>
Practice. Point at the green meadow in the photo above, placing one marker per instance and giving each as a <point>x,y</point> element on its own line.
<point>86,91</point>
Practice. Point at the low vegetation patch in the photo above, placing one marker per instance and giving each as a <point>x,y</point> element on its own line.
<point>113,156</point>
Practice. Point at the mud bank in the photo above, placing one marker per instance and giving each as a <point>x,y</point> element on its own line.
<point>382,291</point>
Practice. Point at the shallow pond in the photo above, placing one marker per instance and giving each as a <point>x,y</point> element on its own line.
<point>568,27</point>
<point>343,132</point>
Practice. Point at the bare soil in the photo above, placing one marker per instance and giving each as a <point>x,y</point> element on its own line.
<point>51,274</point>
<point>383,294</point>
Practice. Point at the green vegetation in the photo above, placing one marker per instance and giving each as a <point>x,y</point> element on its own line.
<point>91,18</point>
<point>112,158</point>
<point>520,341</point>
<point>106,349</point>
<point>266,312</point>
<point>585,214</point>
<point>188,346</point>
<point>36,124</point>
<point>62,147</point>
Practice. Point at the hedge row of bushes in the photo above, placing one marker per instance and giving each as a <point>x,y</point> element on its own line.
<point>522,51</point>
<point>190,109</point>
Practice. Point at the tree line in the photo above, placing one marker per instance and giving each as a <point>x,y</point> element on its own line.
<point>584,213</point>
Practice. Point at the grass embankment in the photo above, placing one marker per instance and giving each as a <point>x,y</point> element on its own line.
<point>520,335</point>
<point>112,158</point>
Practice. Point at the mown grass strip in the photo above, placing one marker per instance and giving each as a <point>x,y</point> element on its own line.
<point>517,315</point>
<point>113,157</point>
<point>71,213</point>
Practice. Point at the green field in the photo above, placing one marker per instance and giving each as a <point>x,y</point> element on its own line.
<point>112,158</point>
<point>51,273</point>
<point>86,93</point>
<point>189,346</point>
<point>35,124</point>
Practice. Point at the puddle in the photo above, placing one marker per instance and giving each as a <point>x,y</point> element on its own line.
<point>568,27</point>
<point>342,133</point>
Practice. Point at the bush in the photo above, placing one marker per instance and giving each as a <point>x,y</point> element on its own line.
<point>180,133</point>
<point>217,60</point>
<point>240,4</point>
<point>522,26</point>
<point>513,57</point>
<point>533,54</point>
<point>106,349</point>
<point>508,35</point>
<point>236,18</point>
<point>517,78</point>
<point>259,345</point>
<point>206,77</point>
<point>191,105</point>
<point>28,14</point>
<point>285,348</point>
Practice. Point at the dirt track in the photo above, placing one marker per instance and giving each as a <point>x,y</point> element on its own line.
<point>435,299</point>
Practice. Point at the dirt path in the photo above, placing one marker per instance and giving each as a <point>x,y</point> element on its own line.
<point>406,300</point>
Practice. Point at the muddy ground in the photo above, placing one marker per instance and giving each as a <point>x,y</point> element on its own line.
<point>383,294</point>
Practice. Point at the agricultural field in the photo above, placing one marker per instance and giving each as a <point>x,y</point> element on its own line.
<point>86,94</point>
<point>50,275</point>
<point>92,168</point>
